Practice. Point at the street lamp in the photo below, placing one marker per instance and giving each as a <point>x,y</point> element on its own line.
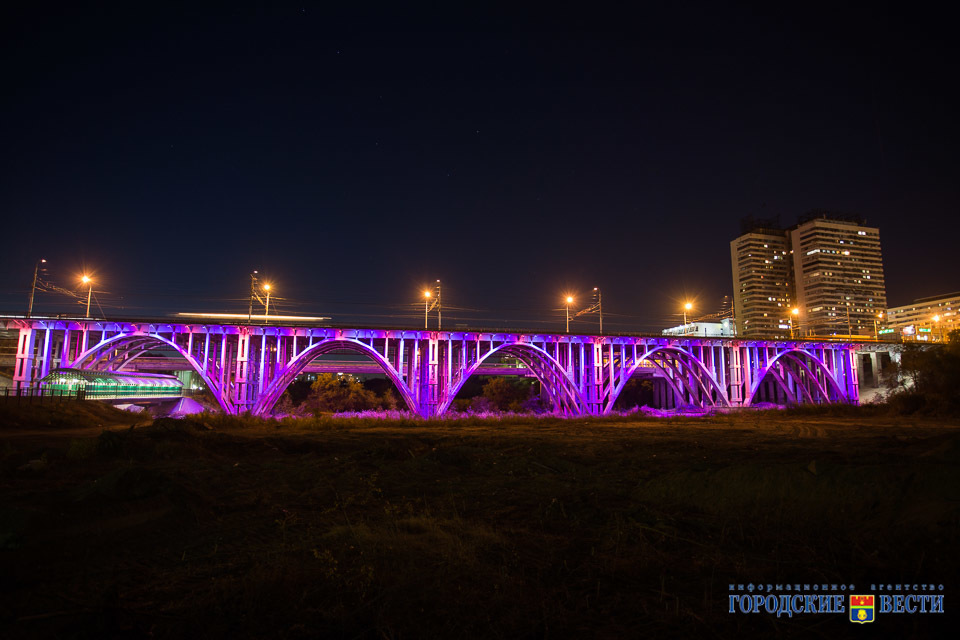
<point>439,308</point>
<point>426,307</point>
<point>686,307</point>
<point>33,287</point>
<point>266,311</point>
<point>253,294</point>
<point>569,302</point>
<point>88,281</point>
<point>876,330</point>
<point>936,319</point>
<point>600,307</point>
<point>793,312</point>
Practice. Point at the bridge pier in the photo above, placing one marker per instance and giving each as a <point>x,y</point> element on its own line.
<point>23,367</point>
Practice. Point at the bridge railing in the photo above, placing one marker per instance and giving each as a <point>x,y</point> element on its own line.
<point>35,394</point>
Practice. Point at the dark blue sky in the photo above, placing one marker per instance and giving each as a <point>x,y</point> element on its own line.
<point>353,157</point>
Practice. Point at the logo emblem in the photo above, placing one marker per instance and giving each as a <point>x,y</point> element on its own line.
<point>861,609</point>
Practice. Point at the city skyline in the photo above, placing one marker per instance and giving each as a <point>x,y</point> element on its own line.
<point>354,159</point>
<point>821,276</point>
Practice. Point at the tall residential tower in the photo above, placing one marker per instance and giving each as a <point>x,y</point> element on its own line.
<point>838,272</point>
<point>828,267</point>
<point>762,288</point>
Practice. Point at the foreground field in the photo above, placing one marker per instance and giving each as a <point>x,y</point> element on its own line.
<point>550,528</point>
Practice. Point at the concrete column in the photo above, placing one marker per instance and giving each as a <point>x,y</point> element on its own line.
<point>242,392</point>
<point>853,387</point>
<point>65,355</point>
<point>430,376</point>
<point>262,371</point>
<point>23,366</point>
<point>45,363</point>
<point>206,350</point>
<point>448,360</point>
<point>224,366</point>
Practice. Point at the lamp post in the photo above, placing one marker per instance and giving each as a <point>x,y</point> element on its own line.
<point>600,307</point>
<point>936,319</point>
<point>793,312</point>
<point>253,294</point>
<point>426,307</point>
<point>266,311</point>
<point>686,307</point>
<point>88,281</point>
<point>439,308</point>
<point>876,329</point>
<point>33,287</point>
<point>569,302</point>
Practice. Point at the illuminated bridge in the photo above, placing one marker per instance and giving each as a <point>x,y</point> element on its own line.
<point>247,367</point>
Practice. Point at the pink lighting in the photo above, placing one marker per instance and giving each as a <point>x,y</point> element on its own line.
<point>247,367</point>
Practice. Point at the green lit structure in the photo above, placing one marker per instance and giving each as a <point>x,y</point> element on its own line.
<point>111,385</point>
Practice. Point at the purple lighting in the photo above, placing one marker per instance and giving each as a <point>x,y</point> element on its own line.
<point>248,367</point>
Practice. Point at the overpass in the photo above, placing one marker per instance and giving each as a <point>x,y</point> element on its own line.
<point>247,367</point>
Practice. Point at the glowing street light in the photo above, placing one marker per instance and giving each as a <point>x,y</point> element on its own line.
<point>686,307</point>
<point>33,287</point>
<point>88,281</point>
<point>569,302</point>
<point>426,307</point>
<point>936,319</point>
<point>793,312</point>
<point>266,311</point>
<point>876,330</point>
<point>431,302</point>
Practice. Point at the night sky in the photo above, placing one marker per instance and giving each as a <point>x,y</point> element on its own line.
<point>354,157</point>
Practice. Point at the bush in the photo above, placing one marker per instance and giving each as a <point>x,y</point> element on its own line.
<point>928,378</point>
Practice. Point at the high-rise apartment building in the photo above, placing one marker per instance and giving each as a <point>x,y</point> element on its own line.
<point>761,280</point>
<point>830,270</point>
<point>838,273</point>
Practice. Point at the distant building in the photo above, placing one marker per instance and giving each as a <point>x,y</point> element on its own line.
<point>926,319</point>
<point>838,271</point>
<point>762,285</point>
<point>827,266</point>
<point>723,329</point>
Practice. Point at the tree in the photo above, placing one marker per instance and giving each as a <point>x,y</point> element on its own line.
<point>331,393</point>
<point>934,371</point>
<point>504,394</point>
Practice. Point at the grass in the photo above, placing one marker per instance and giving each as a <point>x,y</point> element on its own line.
<point>222,526</point>
<point>31,413</point>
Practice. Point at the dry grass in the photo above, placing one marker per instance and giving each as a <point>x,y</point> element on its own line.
<point>234,527</point>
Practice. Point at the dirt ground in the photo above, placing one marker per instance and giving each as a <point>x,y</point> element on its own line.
<point>610,528</point>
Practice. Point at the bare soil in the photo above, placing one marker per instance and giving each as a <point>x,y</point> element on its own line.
<point>526,529</point>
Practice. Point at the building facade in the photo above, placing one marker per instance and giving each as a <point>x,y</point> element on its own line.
<point>820,277</point>
<point>927,319</point>
<point>838,274</point>
<point>762,283</point>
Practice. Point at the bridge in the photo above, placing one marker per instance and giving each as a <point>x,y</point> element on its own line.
<point>247,367</point>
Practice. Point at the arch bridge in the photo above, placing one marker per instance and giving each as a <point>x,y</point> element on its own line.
<point>247,367</point>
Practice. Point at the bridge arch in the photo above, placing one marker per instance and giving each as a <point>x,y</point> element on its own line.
<point>271,394</point>
<point>106,352</point>
<point>563,391</point>
<point>828,391</point>
<point>707,385</point>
